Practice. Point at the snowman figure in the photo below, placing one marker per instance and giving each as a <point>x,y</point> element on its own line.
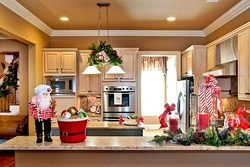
<point>42,109</point>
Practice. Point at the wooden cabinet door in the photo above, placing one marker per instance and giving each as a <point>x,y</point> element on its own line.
<point>51,62</point>
<point>186,64</point>
<point>211,57</point>
<point>108,77</point>
<point>129,57</point>
<point>59,63</point>
<point>190,63</point>
<point>88,83</point>
<point>68,62</point>
<point>243,63</point>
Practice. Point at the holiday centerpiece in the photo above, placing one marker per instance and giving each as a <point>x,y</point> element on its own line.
<point>208,105</point>
<point>102,54</point>
<point>72,125</point>
<point>8,82</point>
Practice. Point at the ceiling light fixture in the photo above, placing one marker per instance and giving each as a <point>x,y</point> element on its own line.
<point>64,18</point>
<point>171,18</point>
<point>212,0</point>
<point>103,54</point>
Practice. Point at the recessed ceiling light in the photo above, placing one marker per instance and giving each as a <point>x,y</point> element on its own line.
<point>212,0</point>
<point>171,18</point>
<point>64,18</point>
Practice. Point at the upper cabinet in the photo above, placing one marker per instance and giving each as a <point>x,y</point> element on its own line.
<point>186,65</point>
<point>211,52</point>
<point>59,61</point>
<point>129,57</point>
<point>243,65</point>
<point>194,63</point>
<point>88,84</point>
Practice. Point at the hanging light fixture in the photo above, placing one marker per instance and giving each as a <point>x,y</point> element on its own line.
<point>103,54</point>
<point>91,70</point>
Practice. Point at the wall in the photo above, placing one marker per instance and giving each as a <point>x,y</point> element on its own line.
<point>15,46</point>
<point>18,28</point>
<point>143,43</point>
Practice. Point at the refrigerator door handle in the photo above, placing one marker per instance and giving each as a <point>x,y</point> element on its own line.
<point>180,104</point>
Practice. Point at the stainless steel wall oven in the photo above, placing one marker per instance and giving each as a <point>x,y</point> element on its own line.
<point>118,100</point>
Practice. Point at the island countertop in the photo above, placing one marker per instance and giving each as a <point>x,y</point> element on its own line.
<point>108,143</point>
<point>123,152</point>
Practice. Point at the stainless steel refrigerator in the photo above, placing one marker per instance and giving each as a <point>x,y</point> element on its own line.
<point>184,89</point>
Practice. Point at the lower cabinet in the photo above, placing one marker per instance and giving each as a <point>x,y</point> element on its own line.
<point>88,84</point>
<point>63,103</point>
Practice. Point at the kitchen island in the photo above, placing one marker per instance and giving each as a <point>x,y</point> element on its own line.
<point>110,151</point>
<point>105,129</point>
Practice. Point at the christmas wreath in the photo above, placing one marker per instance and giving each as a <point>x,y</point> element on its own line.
<point>103,54</point>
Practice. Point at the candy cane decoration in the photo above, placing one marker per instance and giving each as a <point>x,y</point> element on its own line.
<point>205,93</point>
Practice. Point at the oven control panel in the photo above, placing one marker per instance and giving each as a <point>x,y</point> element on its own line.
<point>118,88</point>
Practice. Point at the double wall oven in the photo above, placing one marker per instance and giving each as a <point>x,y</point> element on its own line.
<point>118,100</point>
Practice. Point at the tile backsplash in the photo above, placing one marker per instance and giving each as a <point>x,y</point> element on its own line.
<point>232,103</point>
<point>86,102</point>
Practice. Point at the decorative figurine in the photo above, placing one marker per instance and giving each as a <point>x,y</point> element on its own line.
<point>162,117</point>
<point>42,108</point>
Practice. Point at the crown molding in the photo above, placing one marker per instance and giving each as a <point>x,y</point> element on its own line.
<point>27,15</point>
<point>17,8</point>
<point>239,8</point>
<point>192,33</point>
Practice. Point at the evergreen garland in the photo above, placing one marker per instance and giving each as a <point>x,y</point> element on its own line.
<point>103,54</point>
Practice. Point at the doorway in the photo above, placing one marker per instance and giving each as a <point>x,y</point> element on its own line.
<point>157,93</point>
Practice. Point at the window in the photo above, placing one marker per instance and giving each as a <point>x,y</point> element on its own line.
<point>153,93</point>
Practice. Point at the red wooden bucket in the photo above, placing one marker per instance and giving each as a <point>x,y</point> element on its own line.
<point>72,130</point>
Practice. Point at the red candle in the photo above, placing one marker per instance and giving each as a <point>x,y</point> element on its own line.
<point>203,122</point>
<point>173,125</point>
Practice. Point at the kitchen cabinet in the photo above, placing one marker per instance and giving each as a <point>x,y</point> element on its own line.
<point>88,84</point>
<point>186,65</point>
<point>59,61</point>
<point>243,65</point>
<point>211,61</point>
<point>194,63</point>
<point>129,57</point>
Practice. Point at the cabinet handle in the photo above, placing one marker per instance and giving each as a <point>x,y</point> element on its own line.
<point>56,69</point>
<point>61,68</point>
<point>247,93</point>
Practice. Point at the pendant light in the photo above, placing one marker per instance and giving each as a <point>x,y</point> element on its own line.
<point>91,70</point>
<point>92,60</point>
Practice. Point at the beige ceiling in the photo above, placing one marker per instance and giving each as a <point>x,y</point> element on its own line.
<point>128,14</point>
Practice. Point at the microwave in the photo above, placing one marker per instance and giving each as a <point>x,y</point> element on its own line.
<point>61,84</point>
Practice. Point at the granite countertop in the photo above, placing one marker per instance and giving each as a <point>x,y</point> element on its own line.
<point>104,125</point>
<point>108,143</point>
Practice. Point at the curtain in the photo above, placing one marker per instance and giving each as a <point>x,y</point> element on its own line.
<point>153,64</point>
